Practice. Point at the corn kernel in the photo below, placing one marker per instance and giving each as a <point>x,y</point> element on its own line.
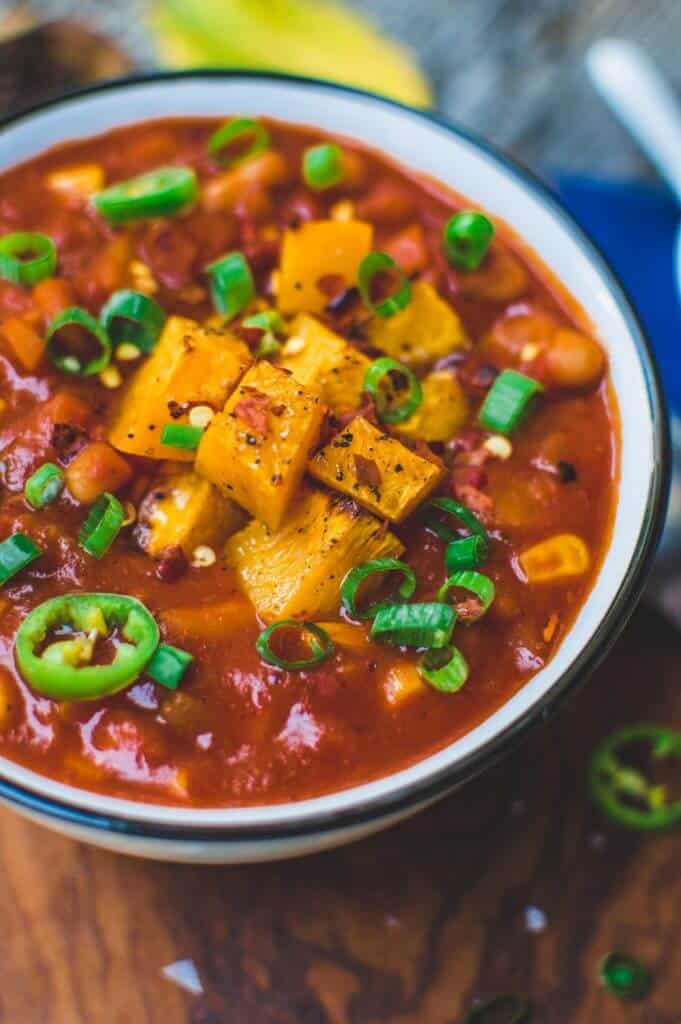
<point>344,210</point>
<point>203,556</point>
<point>111,377</point>
<point>77,182</point>
<point>529,352</point>
<point>558,557</point>
<point>402,683</point>
<point>142,277</point>
<point>127,352</point>
<point>498,446</point>
<point>201,415</point>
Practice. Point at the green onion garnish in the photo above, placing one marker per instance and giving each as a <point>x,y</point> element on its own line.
<point>466,553</point>
<point>132,317</point>
<point>168,665</point>
<point>239,128</point>
<point>71,338</point>
<point>380,263</point>
<point>373,378</point>
<point>475,582</point>
<point>456,510</point>
<point>466,238</point>
<point>181,435</point>
<point>231,283</point>
<point>27,257</point>
<point>356,577</point>
<point>414,625</point>
<point>320,644</point>
<point>624,976</point>
<point>514,1010</point>
<point>16,552</point>
<point>154,194</point>
<point>270,323</point>
<point>508,401</point>
<point>444,668</point>
<point>44,486</point>
<point>102,525</point>
<point>323,166</point>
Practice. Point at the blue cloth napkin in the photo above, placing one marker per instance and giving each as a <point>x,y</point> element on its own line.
<point>635,226</point>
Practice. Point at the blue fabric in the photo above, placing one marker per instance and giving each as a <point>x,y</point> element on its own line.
<point>635,226</point>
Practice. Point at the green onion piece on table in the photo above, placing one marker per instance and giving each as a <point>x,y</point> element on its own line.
<point>102,525</point>
<point>388,412</point>
<point>16,552</point>
<point>181,435</point>
<point>476,583</point>
<point>168,665</point>
<point>318,640</point>
<point>323,166</point>
<point>624,976</point>
<point>429,624</point>
<point>158,193</point>
<point>381,263</point>
<point>466,239</point>
<point>27,257</point>
<point>500,1010</point>
<point>231,284</point>
<point>466,553</point>
<point>445,669</point>
<point>77,343</point>
<point>241,128</point>
<point>270,323</point>
<point>455,510</point>
<point>508,401</point>
<point>63,669</point>
<point>132,317</point>
<point>622,790</point>
<point>45,485</point>
<point>380,566</point>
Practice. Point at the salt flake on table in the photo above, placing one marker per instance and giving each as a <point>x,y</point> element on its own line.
<point>535,920</point>
<point>184,974</point>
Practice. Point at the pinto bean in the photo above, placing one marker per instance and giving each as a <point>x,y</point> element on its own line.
<point>386,203</point>
<point>573,360</point>
<point>95,469</point>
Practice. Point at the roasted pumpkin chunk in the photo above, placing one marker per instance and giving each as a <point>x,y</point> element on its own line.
<point>428,329</point>
<point>298,569</point>
<point>443,411</point>
<point>319,250</point>
<point>255,451</point>
<point>191,365</point>
<point>182,509</point>
<point>322,360</point>
<point>375,469</point>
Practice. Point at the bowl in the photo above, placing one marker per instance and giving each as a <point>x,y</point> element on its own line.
<point>435,147</point>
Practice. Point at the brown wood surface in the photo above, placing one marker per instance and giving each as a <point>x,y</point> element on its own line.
<point>408,927</point>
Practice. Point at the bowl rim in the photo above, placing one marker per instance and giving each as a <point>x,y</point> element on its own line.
<point>412,795</point>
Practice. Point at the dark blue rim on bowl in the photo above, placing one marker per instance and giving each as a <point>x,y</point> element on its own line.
<point>409,795</point>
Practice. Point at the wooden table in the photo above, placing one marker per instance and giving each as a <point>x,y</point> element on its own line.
<point>408,927</point>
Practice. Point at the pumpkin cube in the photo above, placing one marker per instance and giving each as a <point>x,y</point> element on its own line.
<point>427,330</point>
<point>257,448</point>
<point>298,569</point>
<point>317,250</point>
<point>443,411</point>
<point>191,365</point>
<point>376,470</point>
<point>324,361</point>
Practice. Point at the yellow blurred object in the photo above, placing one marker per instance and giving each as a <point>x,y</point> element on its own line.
<point>315,38</point>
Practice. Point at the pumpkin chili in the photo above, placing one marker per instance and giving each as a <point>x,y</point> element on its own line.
<point>284,431</point>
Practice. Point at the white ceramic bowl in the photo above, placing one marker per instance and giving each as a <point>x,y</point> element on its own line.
<point>431,145</point>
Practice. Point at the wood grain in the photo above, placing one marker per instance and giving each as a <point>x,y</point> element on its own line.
<point>408,927</point>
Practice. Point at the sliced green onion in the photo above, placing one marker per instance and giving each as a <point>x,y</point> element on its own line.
<point>132,317</point>
<point>356,577</point>
<point>475,582</point>
<point>239,128</point>
<point>102,525</point>
<point>458,511</point>
<point>514,1009</point>
<point>182,435</point>
<point>231,283</point>
<point>74,361</point>
<point>16,552</point>
<point>323,166</point>
<point>466,553</point>
<point>624,976</point>
<point>508,401</point>
<point>168,665</point>
<point>270,323</point>
<point>414,625</point>
<point>445,668</point>
<point>466,238</point>
<point>320,643</point>
<point>154,194</point>
<point>378,263</point>
<point>389,413</point>
<point>27,257</point>
<point>44,486</point>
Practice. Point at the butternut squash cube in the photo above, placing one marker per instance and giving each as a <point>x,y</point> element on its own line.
<point>444,409</point>
<point>556,558</point>
<point>182,509</point>
<point>316,250</point>
<point>256,450</point>
<point>320,359</point>
<point>375,469</point>
<point>402,683</point>
<point>191,365</point>
<point>298,569</point>
<point>427,330</point>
